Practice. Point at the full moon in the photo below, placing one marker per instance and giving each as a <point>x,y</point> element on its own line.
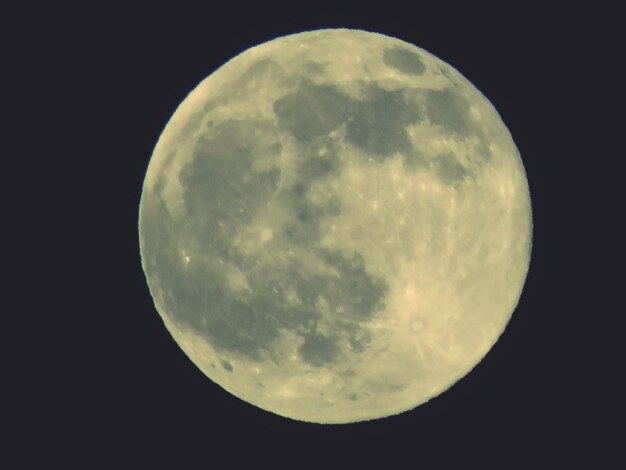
<point>335,226</point>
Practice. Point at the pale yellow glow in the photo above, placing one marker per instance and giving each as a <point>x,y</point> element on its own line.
<point>452,248</point>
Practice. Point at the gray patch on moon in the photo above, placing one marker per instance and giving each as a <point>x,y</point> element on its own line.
<point>289,296</point>
<point>311,111</point>
<point>314,68</point>
<point>305,217</point>
<point>449,110</point>
<point>449,169</point>
<point>318,167</point>
<point>204,303</point>
<point>480,154</point>
<point>221,190</point>
<point>359,341</point>
<point>413,159</point>
<point>318,349</point>
<point>359,294</point>
<point>404,60</point>
<point>228,367</point>
<point>304,227</point>
<point>378,123</point>
<point>319,160</point>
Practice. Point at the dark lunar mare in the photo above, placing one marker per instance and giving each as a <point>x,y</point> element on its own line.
<point>404,60</point>
<point>377,123</point>
<point>222,194</point>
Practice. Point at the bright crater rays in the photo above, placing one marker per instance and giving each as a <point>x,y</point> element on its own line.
<point>335,226</point>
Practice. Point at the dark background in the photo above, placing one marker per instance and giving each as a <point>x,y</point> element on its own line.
<point>111,385</point>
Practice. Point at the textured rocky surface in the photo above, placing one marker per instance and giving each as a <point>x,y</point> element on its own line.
<point>335,226</point>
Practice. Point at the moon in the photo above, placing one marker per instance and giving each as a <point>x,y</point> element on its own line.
<point>335,226</point>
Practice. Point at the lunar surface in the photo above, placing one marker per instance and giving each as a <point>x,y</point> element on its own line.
<point>335,226</point>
